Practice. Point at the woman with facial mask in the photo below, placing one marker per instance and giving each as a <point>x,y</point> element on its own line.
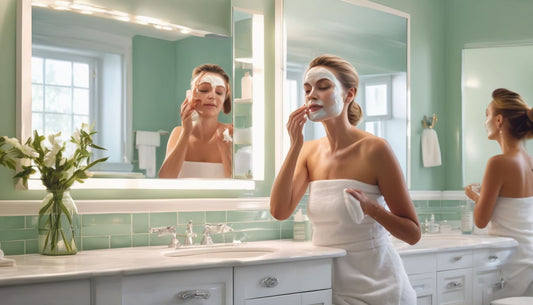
<point>357,193</point>
<point>504,201</point>
<point>202,146</point>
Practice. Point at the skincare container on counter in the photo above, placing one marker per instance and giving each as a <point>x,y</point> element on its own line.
<point>246,86</point>
<point>467,217</point>
<point>301,227</point>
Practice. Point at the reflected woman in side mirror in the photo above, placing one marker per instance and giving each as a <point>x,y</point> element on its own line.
<point>357,193</point>
<point>202,146</point>
<point>505,200</point>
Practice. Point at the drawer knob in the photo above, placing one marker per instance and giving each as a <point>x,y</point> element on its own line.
<point>269,282</point>
<point>193,294</point>
<point>493,258</point>
<point>457,258</point>
<point>454,285</point>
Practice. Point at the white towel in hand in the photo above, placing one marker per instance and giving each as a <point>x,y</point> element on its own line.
<point>146,143</point>
<point>354,207</point>
<point>430,148</point>
<point>4,261</point>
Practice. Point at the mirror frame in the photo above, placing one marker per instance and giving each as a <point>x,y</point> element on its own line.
<point>281,60</point>
<point>24,130</point>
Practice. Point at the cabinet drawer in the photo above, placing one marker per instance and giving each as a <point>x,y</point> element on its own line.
<point>454,287</point>
<point>454,260</point>
<point>58,293</point>
<point>199,287</point>
<point>491,257</point>
<point>416,264</point>
<point>423,284</point>
<point>285,278</point>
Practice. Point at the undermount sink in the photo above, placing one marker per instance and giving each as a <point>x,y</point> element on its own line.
<point>227,252</point>
<point>437,241</point>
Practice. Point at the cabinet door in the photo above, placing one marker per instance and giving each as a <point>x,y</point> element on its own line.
<point>58,293</point>
<point>291,299</point>
<point>424,286</point>
<point>487,286</point>
<point>322,297</point>
<point>454,287</point>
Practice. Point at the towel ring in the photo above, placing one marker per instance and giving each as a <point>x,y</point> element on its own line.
<point>429,124</point>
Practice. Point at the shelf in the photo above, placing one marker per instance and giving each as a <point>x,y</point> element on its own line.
<point>243,100</point>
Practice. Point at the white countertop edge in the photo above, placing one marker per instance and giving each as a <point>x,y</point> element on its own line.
<point>35,268</point>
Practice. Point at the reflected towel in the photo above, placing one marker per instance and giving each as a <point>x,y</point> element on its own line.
<point>146,143</point>
<point>513,217</point>
<point>430,148</point>
<point>4,261</point>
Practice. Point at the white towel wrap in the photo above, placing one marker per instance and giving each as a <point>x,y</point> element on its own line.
<point>430,148</point>
<point>146,143</point>
<point>354,207</point>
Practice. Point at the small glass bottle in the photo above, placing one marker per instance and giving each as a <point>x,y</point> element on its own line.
<point>467,217</point>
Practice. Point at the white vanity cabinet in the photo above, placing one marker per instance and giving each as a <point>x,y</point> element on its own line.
<point>294,283</point>
<point>461,277</point>
<point>53,293</point>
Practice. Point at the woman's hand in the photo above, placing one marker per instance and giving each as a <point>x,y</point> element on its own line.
<point>295,125</point>
<point>367,204</point>
<point>186,111</point>
<point>472,191</point>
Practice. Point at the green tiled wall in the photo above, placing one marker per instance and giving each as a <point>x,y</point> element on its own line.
<point>18,234</point>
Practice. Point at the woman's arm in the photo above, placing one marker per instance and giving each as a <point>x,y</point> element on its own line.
<point>401,221</point>
<point>490,189</point>
<point>292,179</point>
<point>177,145</point>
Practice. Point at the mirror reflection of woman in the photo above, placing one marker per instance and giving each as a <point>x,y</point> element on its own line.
<point>504,201</point>
<point>202,147</point>
<point>347,164</point>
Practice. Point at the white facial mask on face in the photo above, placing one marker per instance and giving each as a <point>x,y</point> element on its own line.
<point>213,80</point>
<point>331,109</point>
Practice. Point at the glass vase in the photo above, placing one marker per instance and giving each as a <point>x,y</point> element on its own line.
<point>58,224</point>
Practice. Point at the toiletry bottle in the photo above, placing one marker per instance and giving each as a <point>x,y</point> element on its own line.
<point>467,217</point>
<point>246,86</point>
<point>300,226</point>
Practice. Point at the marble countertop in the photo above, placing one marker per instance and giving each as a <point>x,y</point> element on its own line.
<point>35,268</point>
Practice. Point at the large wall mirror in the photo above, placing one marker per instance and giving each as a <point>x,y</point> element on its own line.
<point>125,66</point>
<point>483,70</point>
<point>375,40</point>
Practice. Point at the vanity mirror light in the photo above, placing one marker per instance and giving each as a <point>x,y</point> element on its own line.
<point>375,39</point>
<point>481,74</point>
<point>136,41</point>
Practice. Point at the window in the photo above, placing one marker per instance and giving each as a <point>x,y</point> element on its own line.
<point>376,100</point>
<point>62,92</point>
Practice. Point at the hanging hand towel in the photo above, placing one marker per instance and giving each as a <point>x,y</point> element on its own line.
<point>146,143</point>
<point>430,148</point>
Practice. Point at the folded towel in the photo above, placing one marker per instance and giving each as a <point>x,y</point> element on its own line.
<point>4,261</point>
<point>430,148</point>
<point>354,207</point>
<point>146,143</point>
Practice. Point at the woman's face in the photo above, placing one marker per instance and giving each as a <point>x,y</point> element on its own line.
<point>210,93</point>
<point>491,123</point>
<point>323,94</point>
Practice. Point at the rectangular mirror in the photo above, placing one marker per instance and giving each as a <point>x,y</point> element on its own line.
<point>375,39</point>
<point>135,64</point>
<point>482,74</point>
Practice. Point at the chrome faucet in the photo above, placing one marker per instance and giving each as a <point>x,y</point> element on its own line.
<point>189,234</point>
<point>168,230</point>
<point>213,229</point>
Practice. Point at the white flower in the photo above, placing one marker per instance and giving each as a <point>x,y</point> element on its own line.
<point>76,135</point>
<point>13,142</point>
<point>29,151</point>
<point>24,162</point>
<point>50,159</point>
<point>68,173</point>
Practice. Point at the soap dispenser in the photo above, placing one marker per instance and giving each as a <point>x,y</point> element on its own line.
<point>301,226</point>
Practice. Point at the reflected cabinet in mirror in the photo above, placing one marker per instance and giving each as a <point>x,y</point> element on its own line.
<point>374,39</point>
<point>125,67</point>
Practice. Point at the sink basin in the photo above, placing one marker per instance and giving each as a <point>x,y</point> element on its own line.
<point>436,241</point>
<point>227,252</point>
